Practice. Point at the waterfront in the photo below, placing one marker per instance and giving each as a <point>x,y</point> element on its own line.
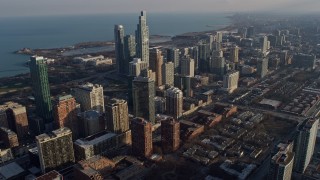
<point>60,31</point>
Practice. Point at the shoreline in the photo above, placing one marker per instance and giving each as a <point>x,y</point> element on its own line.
<point>96,44</point>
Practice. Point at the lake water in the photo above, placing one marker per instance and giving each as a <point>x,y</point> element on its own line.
<point>59,31</point>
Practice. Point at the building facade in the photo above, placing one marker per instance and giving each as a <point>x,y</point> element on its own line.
<point>119,48</point>
<point>230,81</point>
<point>156,62</point>
<point>55,149</point>
<point>174,102</point>
<point>141,137</point>
<point>41,89</point>
<point>117,119</point>
<point>170,135</point>
<point>142,38</point>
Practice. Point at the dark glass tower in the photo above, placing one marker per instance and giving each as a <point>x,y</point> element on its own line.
<point>119,48</point>
<point>143,92</point>
<point>41,89</point>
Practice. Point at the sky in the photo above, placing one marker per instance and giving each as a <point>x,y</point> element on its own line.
<point>10,8</point>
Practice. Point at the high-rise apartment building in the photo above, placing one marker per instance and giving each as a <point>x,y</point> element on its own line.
<point>170,135</point>
<point>304,144</point>
<point>203,53</point>
<point>168,73</point>
<point>187,66</point>
<point>143,92</point>
<point>219,36</point>
<point>9,138</point>
<point>262,67</point>
<point>174,102</point>
<point>117,119</point>
<point>91,122</point>
<point>155,64</point>
<point>136,67</point>
<point>55,149</point>
<point>173,56</point>
<point>119,48</point>
<point>141,137</point>
<point>41,89</point>
<point>142,38</point>
<point>234,56</point>
<point>17,118</point>
<point>230,81</point>
<point>65,114</point>
<point>90,96</point>
<point>282,163</point>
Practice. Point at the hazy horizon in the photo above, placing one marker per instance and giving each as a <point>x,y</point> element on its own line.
<point>14,8</point>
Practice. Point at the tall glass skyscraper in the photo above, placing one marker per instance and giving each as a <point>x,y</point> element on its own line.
<point>119,48</point>
<point>41,89</point>
<point>142,38</point>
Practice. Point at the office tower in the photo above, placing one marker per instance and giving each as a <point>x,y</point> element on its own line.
<point>119,48</point>
<point>204,53</point>
<point>230,81</point>
<point>117,119</point>
<point>17,118</point>
<point>141,137</point>
<point>168,73</point>
<point>187,66</point>
<point>219,37</point>
<point>282,163</point>
<point>156,62</point>
<point>304,60</point>
<point>262,67</point>
<point>304,144</point>
<point>250,32</point>
<point>143,92</point>
<point>91,122</point>
<point>174,102</point>
<point>65,114</point>
<point>90,96</point>
<point>170,135</point>
<point>9,138</point>
<point>142,38</point>
<point>264,44</point>
<point>55,149</point>
<point>41,89</point>
<point>173,56</point>
<point>136,67</point>
<point>184,84</point>
<point>129,51</point>
<point>234,54</point>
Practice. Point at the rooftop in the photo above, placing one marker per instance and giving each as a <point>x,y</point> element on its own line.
<point>10,170</point>
<point>95,139</point>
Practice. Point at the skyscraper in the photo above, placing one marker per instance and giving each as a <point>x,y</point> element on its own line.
<point>219,37</point>
<point>65,114</point>
<point>262,67</point>
<point>55,149</point>
<point>143,92</point>
<point>91,122</point>
<point>156,62</point>
<point>234,54</point>
<point>173,56</point>
<point>174,102</point>
<point>187,66</point>
<point>129,51</point>
<point>230,81</point>
<point>217,63</point>
<point>304,144</point>
<point>142,38</point>
<point>117,119</point>
<point>168,73</point>
<point>203,63</point>
<point>282,163</point>
<point>119,48</point>
<point>41,89</point>
<point>9,138</point>
<point>90,96</point>
<point>141,137</point>
<point>170,135</point>
<point>264,44</point>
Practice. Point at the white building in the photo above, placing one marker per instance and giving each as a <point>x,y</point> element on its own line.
<point>136,66</point>
<point>230,81</point>
<point>187,66</point>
